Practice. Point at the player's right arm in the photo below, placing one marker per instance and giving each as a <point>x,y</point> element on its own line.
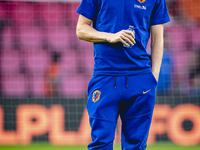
<point>85,31</point>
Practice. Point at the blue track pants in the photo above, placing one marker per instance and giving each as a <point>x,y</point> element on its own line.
<point>130,97</point>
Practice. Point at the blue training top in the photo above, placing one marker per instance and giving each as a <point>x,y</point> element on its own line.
<point>115,15</point>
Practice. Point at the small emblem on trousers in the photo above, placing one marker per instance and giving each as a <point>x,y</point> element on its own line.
<point>96,95</point>
<point>144,92</point>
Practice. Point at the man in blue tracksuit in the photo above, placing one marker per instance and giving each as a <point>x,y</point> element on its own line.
<point>125,77</point>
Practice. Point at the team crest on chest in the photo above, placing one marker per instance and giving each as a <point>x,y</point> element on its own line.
<point>141,1</point>
<point>96,95</point>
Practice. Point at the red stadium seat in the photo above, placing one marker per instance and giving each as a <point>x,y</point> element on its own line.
<point>68,63</point>
<point>10,62</point>
<point>30,38</point>
<point>177,38</point>
<point>74,87</point>
<point>36,85</point>
<point>85,46</point>
<point>14,86</point>
<point>195,36</point>
<point>37,62</point>
<point>89,60</point>
<point>52,14</point>
<point>2,11</point>
<point>23,14</point>
<point>70,8</point>
<point>7,38</point>
<point>59,38</point>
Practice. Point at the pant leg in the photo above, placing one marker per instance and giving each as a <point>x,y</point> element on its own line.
<point>102,106</point>
<point>136,111</point>
<point>102,133</point>
<point>135,132</point>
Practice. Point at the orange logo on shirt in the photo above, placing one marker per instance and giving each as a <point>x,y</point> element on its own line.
<point>96,95</point>
<point>141,1</point>
<point>144,92</point>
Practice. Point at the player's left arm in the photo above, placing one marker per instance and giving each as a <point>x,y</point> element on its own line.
<point>156,48</point>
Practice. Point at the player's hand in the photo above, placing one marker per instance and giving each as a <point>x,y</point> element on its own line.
<point>123,36</point>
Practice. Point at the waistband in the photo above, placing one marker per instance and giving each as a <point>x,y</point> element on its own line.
<point>115,84</point>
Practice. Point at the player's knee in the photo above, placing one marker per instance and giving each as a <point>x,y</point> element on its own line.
<point>102,130</point>
<point>102,135</point>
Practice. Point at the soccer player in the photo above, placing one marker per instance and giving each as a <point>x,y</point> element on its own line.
<point>125,77</point>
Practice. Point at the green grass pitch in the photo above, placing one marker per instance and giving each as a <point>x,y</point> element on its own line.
<point>164,146</point>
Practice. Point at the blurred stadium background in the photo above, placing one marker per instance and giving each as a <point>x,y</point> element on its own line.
<point>45,69</point>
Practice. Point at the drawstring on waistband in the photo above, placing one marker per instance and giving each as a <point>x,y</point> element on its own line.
<point>115,83</point>
<point>127,82</point>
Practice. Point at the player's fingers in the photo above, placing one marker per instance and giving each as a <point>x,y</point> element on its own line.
<point>129,37</point>
<point>124,42</point>
<point>129,33</point>
<point>127,41</point>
